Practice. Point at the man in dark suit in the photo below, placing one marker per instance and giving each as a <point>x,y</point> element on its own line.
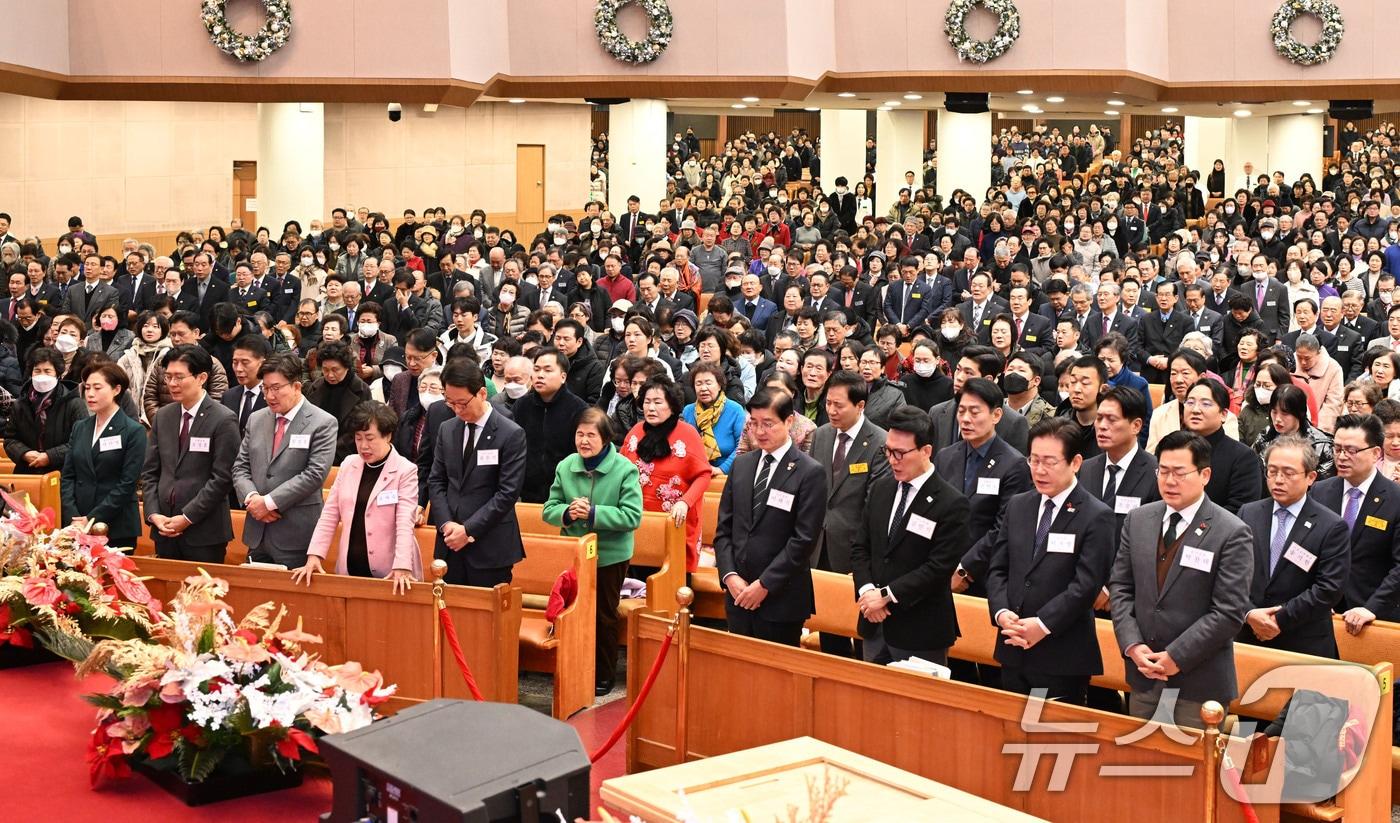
<point>851,450</point>
<point>548,415</point>
<point>1301,556</point>
<point>189,464</point>
<point>92,294</point>
<point>907,541</point>
<point>1107,318</point>
<point>860,301</point>
<point>478,470</point>
<point>9,306</point>
<point>1369,504</point>
<point>245,397</point>
<point>770,516</point>
<point>1353,317</point>
<point>1161,333</point>
<point>1124,476</point>
<point>1034,333</point>
<point>1237,476</point>
<point>1218,299</point>
<point>979,309</point>
<point>906,300</point>
<point>1041,592</point>
<point>752,304</point>
<point>1179,590</point>
<point>1269,298</point>
<point>1203,319</point>
<point>248,298</point>
<point>203,291</point>
<point>986,469</point>
<point>139,287</point>
<point>1347,345</point>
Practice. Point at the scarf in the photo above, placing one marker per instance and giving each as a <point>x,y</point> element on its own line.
<point>705,420</point>
<point>656,440</point>
<point>591,464</point>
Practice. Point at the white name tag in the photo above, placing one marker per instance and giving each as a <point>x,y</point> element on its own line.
<point>1060,544</point>
<point>921,526</point>
<point>1204,328</point>
<point>779,499</point>
<point>287,291</point>
<point>1123,504</point>
<point>488,457</point>
<point>1300,557</point>
<point>989,485</point>
<point>1344,348</point>
<point>388,497</point>
<point>199,444</point>
<point>300,441</point>
<point>112,443</point>
<point>1197,559</point>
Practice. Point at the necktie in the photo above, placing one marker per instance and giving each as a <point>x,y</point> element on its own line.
<point>1280,538</point>
<point>1105,325</point>
<point>1110,492</point>
<point>760,486</point>
<point>1020,323</point>
<point>1259,296</point>
<point>1043,530</point>
<point>185,432</point>
<point>850,295</point>
<point>246,410</point>
<point>976,316</point>
<point>970,470</point>
<point>904,489</point>
<point>1353,507</point>
<point>203,286</point>
<point>350,315</point>
<point>839,461</point>
<point>1173,523</point>
<point>750,308</point>
<point>469,445</point>
<point>278,434</point>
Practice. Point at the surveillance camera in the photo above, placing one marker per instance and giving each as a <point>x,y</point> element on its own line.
<point>395,112</point>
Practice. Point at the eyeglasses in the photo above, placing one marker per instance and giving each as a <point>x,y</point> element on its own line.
<point>1352,451</point>
<point>1274,473</point>
<point>1199,403</point>
<point>1357,405</point>
<point>172,377</point>
<point>766,425</point>
<point>420,358</point>
<point>275,388</point>
<point>896,455</point>
<point>1045,462</point>
<point>1176,474</point>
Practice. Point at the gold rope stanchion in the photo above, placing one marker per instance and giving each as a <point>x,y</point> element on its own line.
<point>1212,714</point>
<point>438,569</point>
<point>681,626</point>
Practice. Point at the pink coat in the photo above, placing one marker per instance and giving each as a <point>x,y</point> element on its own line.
<point>388,527</point>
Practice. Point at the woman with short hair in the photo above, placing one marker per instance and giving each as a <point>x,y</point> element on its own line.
<point>106,452</point>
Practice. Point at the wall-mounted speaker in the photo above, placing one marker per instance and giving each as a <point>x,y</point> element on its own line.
<point>1351,109</point>
<point>607,101</point>
<point>966,102</point>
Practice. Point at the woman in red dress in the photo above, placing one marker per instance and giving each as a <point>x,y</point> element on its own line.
<point>671,460</point>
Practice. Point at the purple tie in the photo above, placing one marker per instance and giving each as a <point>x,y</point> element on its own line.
<point>1353,507</point>
<point>1259,296</point>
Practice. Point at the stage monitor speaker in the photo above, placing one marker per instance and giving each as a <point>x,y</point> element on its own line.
<point>966,102</point>
<point>458,761</point>
<point>1351,109</point>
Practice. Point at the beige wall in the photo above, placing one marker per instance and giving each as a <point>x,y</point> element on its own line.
<point>457,158</point>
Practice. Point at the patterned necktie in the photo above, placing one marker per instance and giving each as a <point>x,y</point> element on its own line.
<point>904,489</point>
<point>1110,492</point>
<point>1259,296</point>
<point>839,460</point>
<point>246,410</point>
<point>760,486</point>
<point>1353,508</point>
<point>278,434</point>
<point>185,432</point>
<point>1043,530</point>
<point>1280,538</point>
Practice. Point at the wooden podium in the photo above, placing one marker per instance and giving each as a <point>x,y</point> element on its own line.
<point>764,782</point>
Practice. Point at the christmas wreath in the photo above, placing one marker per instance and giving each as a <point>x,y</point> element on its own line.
<point>980,51</point>
<point>248,48</point>
<point>1332,29</point>
<point>660,27</point>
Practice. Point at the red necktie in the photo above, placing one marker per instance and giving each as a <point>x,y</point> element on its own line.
<point>1105,326</point>
<point>1018,328</point>
<point>277,435</point>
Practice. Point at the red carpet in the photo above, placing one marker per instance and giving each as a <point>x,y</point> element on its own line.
<point>46,726</point>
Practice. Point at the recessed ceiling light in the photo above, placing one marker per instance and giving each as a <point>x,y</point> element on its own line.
<point>846,94</point>
<point>750,99</point>
<point>1055,99</point>
<point>1170,110</point>
<point>883,108</point>
<point>813,108</point>
<point>1316,111</point>
<point>893,103</point>
<point>516,100</point>
<point>1025,91</point>
<point>1030,107</point>
<point>1302,103</point>
<point>912,96</point>
<point>1243,112</point>
<point>738,106</point>
<point>1111,112</point>
<point>1115,102</point>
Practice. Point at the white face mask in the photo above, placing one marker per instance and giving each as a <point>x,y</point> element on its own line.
<point>1064,395</point>
<point>1267,235</point>
<point>334,247</point>
<point>369,329</point>
<point>1261,276</point>
<point>774,271</point>
<point>44,383</point>
<point>617,324</point>
<point>515,391</point>
<point>950,332</point>
<point>307,262</point>
<point>66,343</point>
<point>1263,395</point>
<point>532,280</point>
<point>925,369</point>
<point>506,298</point>
<point>426,400</point>
<point>65,249</point>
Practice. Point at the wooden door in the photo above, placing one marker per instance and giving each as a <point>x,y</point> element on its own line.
<point>245,189</point>
<point>529,185</point>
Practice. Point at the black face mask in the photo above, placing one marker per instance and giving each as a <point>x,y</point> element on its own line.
<point>1015,383</point>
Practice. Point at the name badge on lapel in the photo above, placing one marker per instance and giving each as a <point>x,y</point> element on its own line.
<point>488,457</point>
<point>1376,522</point>
<point>779,499</point>
<point>1122,504</point>
<point>1060,543</point>
<point>299,441</point>
<point>199,444</point>
<point>859,468</point>
<point>1300,557</point>
<point>388,497</point>
<point>1198,559</point>
<point>110,443</point>
<point>921,526</point>
<point>989,485</point>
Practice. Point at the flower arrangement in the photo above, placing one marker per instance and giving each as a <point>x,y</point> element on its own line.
<point>1333,27</point>
<point>206,692</point>
<point>66,588</point>
<point>660,26</point>
<point>981,51</point>
<point>248,48</point>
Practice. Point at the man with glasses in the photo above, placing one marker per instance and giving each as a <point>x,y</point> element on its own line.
<point>1369,504</point>
<point>1301,556</point>
<point>1237,476</point>
<point>911,532</point>
<point>1041,591</point>
<point>282,465</point>
<point>477,472</point>
<point>1179,590</point>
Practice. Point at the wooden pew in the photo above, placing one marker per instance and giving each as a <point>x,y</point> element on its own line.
<point>237,553</point>
<point>837,611</point>
<point>950,732</point>
<point>42,489</point>
<point>1378,643</point>
<point>566,647</point>
<point>362,619</point>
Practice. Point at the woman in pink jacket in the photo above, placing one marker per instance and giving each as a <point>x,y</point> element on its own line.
<point>372,501</point>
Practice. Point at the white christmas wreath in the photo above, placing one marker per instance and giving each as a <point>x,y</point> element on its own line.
<point>660,27</point>
<point>1295,52</point>
<point>980,51</point>
<point>244,47</point>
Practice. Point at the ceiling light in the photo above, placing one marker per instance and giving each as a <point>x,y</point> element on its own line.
<point>1055,99</point>
<point>883,108</point>
<point>1115,102</point>
<point>1031,107</point>
<point>846,94</point>
<point>516,100</point>
<point>750,99</point>
<point>1243,112</point>
<point>1169,110</point>
<point>813,108</point>
<point>1111,112</point>
<point>1301,103</point>
<point>912,96</point>
<point>738,106</point>
<point>1025,91</point>
<point>1316,111</point>
<point>893,103</point>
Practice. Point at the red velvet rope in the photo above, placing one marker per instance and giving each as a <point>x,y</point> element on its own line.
<point>452,642</point>
<point>637,704</point>
<point>1233,776</point>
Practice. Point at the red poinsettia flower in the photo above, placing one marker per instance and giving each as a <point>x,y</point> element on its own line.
<point>290,746</point>
<point>166,722</point>
<point>13,635</point>
<point>105,759</point>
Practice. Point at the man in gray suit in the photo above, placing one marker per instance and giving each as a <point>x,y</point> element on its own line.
<point>1180,590</point>
<point>189,464</point>
<point>281,466</point>
<point>92,294</point>
<point>852,451</point>
<point>977,361</point>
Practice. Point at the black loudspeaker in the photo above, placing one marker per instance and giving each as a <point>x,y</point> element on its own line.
<point>1329,140</point>
<point>1351,109</point>
<point>966,102</point>
<point>458,761</point>
<point>607,101</point>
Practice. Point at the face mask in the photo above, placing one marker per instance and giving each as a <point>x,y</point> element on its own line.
<point>774,271</point>
<point>369,329</point>
<point>426,400</point>
<point>515,391</point>
<point>65,249</point>
<point>1385,297</point>
<point>506,299</point>
<point>553,227</point>
<point>617,324</point>
<point>1263,395</point>
<point>772,192</point>
<point>1261,276</point>
<point>1267,235</point>
<point>1229,209</point>
<point>44,383</point>
<point>532,280</point>
<point>1015,383</point>
<point>307,261</point>
<point>109,324</point>
<point>320,260</point>
<point>840,189</point>
<point>925,369</point>
<point>66,343</point>
<point>731,284</point>
<point>950,332</point>
<point>1215,257</point>
<point>1113,227</point>
<point>1064,395</point>
<point>334,247</point>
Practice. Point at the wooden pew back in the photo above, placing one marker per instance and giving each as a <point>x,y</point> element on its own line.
<point>42,489</point>
<point>566,647</point>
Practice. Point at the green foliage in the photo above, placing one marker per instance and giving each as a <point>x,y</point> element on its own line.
<point>196,764</point>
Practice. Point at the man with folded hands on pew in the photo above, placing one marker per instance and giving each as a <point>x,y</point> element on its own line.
<point>478,469</point>
<point>770,515</point>
<point>1301,556</point>
<point>1041,592</point>
<point>913,529</point>
<point>1180,590</point>
<point>1369,504</point>
<point>189,464</point>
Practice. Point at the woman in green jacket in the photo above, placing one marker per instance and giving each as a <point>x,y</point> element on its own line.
<point>598,490</point>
